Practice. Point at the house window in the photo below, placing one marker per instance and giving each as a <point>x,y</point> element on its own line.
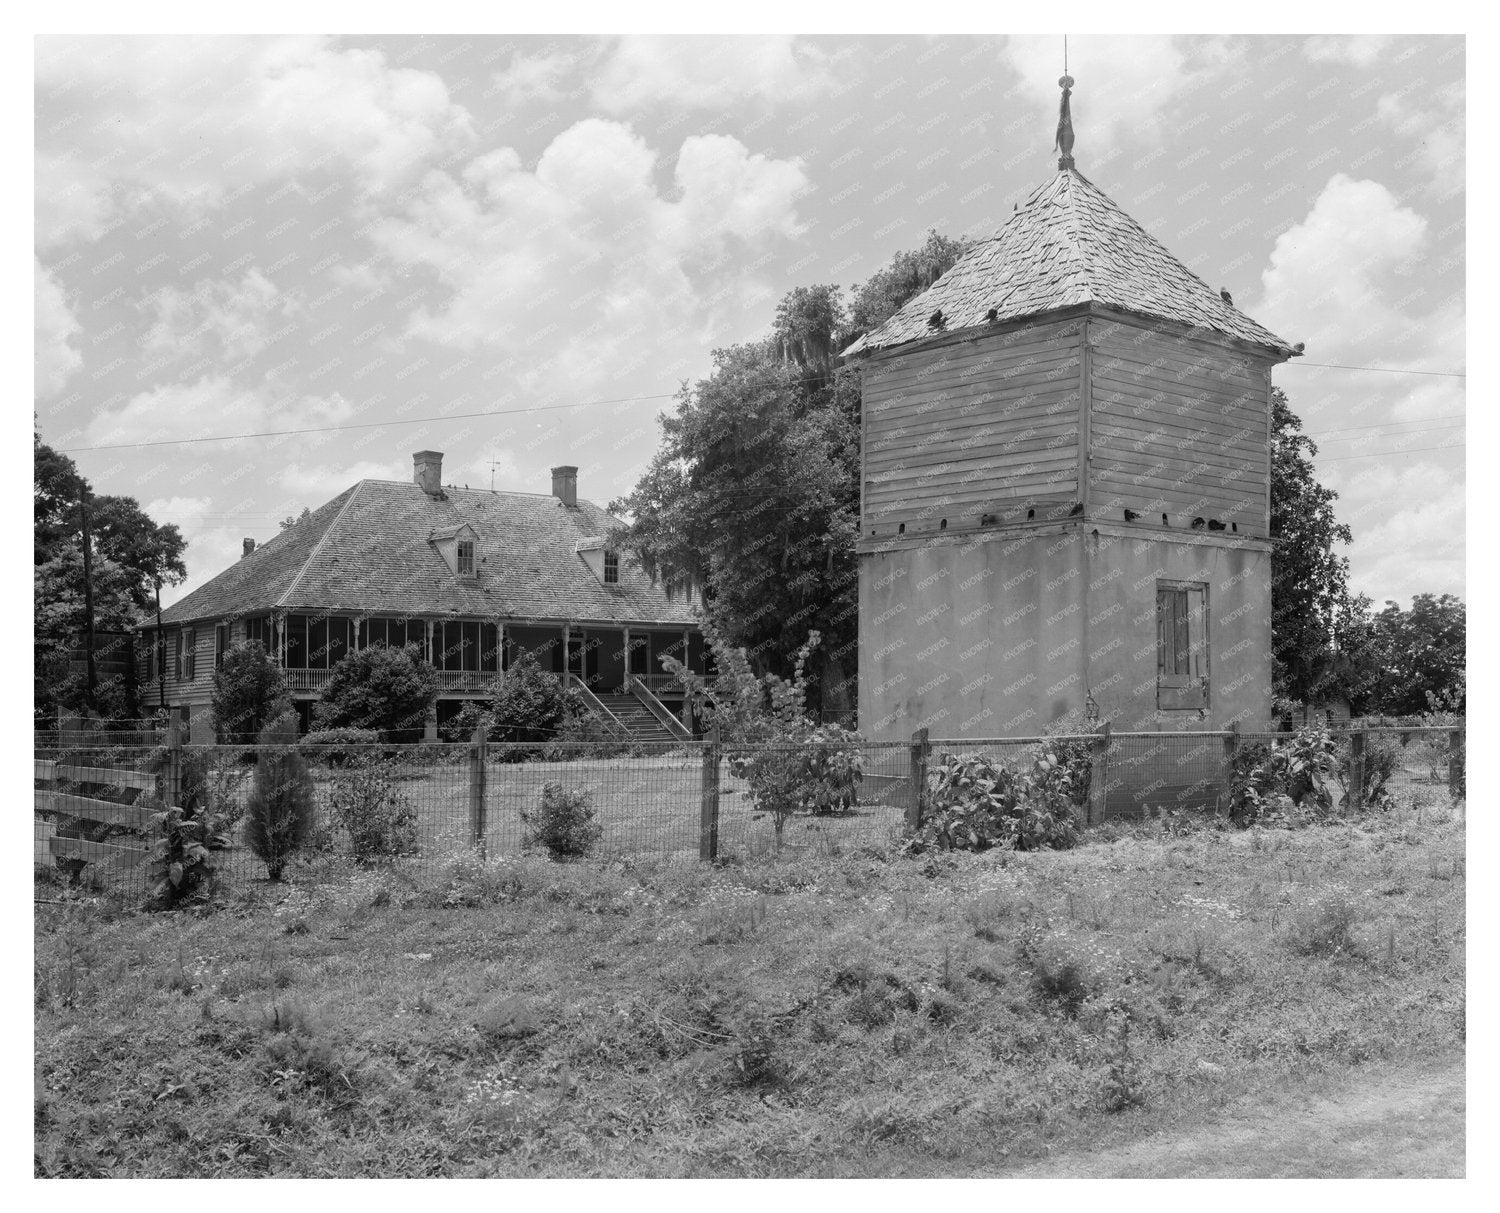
<point>258,631</point>
<point>466,558</point>
<point>186,641</point>
<point>153,637</point>
<point>1181,645</point>
<point>611,568</point>
<point>221,643</point>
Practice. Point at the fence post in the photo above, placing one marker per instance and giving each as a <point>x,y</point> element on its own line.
<point>1099,776</point>
<point>172,775</point>
<point>1231,748</point>
<point>1356,768</point>
<point>1455,765</point>
<point>476,791</point>
<point>921,754</point>
<point>708,811</point>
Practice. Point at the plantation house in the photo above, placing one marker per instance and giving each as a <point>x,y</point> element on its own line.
<point>1066,453</point>
<point>473,578</point>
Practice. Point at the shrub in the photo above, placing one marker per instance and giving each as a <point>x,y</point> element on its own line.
<point>388,689</point>
<point>327,744</point>
<point>181,863</point>
<point>531,704</point>
<point>1326,928</point>
<point>564,822</point>
<point>249,692</point>
<point>366,800</point>
<point>977,803</point>
<point>814,770</point>
<point>280,815</point>
<point>1382,760</point>
<point>1267,780</point>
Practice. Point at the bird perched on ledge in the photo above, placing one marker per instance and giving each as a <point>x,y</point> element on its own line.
<point>1226,296</point>
<point>1131,515</point>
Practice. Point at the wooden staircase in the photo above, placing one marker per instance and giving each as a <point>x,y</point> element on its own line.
<point>637,718</point>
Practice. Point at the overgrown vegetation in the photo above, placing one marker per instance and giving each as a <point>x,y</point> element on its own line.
<point>368,803</point>
<point>976,802</point>
<point>388,689</point>
<point>249,692</point>
<point>281,813</point>
<point>839,1015</point>
<point>563,824</point>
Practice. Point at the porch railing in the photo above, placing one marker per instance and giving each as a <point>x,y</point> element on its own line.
<point>313,681</point>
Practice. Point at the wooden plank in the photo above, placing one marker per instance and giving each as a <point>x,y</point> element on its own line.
<point>1031,375</point>
<point>981,475</point>
<point>981,403</point>
<point>1021,364</point>
<point>91,809</point>
<point>979,358</point>
<point>95,852</point>
<point>1214,380</point>
<point>1085,421</point>
<point>1138,450</point>
<point>44,768</point>
<point>1232,485</point>
<point>107,776</point>
<point>1165,398</point>
<point>1180,437</point>
<point>969,446</point>
<point>892,505</point>
<point>975,346</point>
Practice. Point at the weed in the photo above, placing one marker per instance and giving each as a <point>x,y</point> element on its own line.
<point>505,1019</point>
<point>1123,1085</point>
<point>1326,927</point>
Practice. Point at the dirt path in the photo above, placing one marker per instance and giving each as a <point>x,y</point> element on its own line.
<point>1406,1121</point>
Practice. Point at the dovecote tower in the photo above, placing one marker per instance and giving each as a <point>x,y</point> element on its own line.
<point>1066,486</point>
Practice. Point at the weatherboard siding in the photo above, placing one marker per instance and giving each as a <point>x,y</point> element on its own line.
<point>962,430</point>
<point>1176,427</point>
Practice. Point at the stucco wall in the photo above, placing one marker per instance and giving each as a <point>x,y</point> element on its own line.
<point>1003,633</point>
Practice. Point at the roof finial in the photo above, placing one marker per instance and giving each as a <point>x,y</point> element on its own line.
<point>1064,141</point>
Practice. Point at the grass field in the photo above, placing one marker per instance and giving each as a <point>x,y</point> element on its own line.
<point>842,1012</point>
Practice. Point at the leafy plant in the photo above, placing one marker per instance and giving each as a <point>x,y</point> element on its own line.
<point>249,692</point>
<point>976,803</point>
<point>181,863</point>
<point>366,800</point>
<point>328,745</point>
<point>1382,759</point>
<point>564,822</point>
<point>1267,780</point>
<point>280,815</point>
<point>382,688</point>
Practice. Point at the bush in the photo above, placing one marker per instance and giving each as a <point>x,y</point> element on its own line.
<point>327,744</point>
<point>181,865</point>
<point>564,823</point>
<point>391,690</point>
<point>279,818</point>
<point>531,704</point>
<point>977,803</point>
<point>1268,780</point>
<point>1382,760</point>
<point>249,692</point>
<point>365,799</point>
<point>814,770</point>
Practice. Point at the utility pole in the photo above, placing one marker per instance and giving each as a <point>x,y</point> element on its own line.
<point>91,687</point>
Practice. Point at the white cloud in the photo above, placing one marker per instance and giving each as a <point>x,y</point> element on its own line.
<point>125,121</point>
<point>322,482</point>
<point>1125,83</point>
<point>211,405</point>
<point>705,72</point>
<point>1408,519</point>
<point>56,326</point>
<point>532,78</point>
<point>235,319</point>
<point>1359,50</point>
<point>583,255</point>
<point>1437,132</point>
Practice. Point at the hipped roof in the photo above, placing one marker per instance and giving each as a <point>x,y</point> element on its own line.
<point>1068,244</point>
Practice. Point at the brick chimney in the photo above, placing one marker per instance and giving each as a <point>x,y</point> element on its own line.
<point>565,485</point>
<point>427,471</point>
<point>249,547</point>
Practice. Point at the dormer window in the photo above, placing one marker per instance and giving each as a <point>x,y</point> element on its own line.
<point>466,558</point>
<point>611,567</point>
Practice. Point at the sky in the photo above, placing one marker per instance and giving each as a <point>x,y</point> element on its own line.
<point>241,236</point>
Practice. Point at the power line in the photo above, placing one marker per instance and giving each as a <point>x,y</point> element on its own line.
<point>1384,370</point>
<point>1452,446</point>
<point>1375,425</point>
<point>367,425</point>
<point>1435,429</point>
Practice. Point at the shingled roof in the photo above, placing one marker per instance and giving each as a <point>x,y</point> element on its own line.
<point>1069,243</point>
<point>371,549</point>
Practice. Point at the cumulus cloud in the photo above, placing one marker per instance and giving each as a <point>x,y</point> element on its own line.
<point>321,482</point>
<point>568,263</point>
<point>56,326</point>
<point>211,405</point>
<point>706,72</point>
<point>188,120</point>
<point>1127,84</point>
<point>1437,133</point>
<point>533,78</point>
<point>232,319</point>
<point>1358,50</point>
<point>1408,519</point>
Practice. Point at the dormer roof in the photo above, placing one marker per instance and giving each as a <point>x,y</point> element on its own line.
<point>1068,244</point>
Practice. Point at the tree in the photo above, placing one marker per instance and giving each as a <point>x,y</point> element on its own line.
<point>290,521</point>
<point>1422,654</point>
<point>249,692</point>
<point>280,812</point>
<point>531,704</point>
<point>1309,576</point>
<point>388,689</point>
<point>754,490</point>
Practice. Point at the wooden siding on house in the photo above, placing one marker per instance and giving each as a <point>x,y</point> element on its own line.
<point>970,429</point>
<point>1178,427</point>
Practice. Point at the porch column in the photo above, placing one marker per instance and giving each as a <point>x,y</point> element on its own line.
<point>625,632</point>
<point>567,637</point>
<point>500,650</point>
<point>687,700</point>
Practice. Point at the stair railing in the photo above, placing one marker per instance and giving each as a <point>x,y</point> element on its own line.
<point>658,709</point>
<point>596,705</point>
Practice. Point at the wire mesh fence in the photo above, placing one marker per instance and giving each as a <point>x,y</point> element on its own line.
<point>421,805</point>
